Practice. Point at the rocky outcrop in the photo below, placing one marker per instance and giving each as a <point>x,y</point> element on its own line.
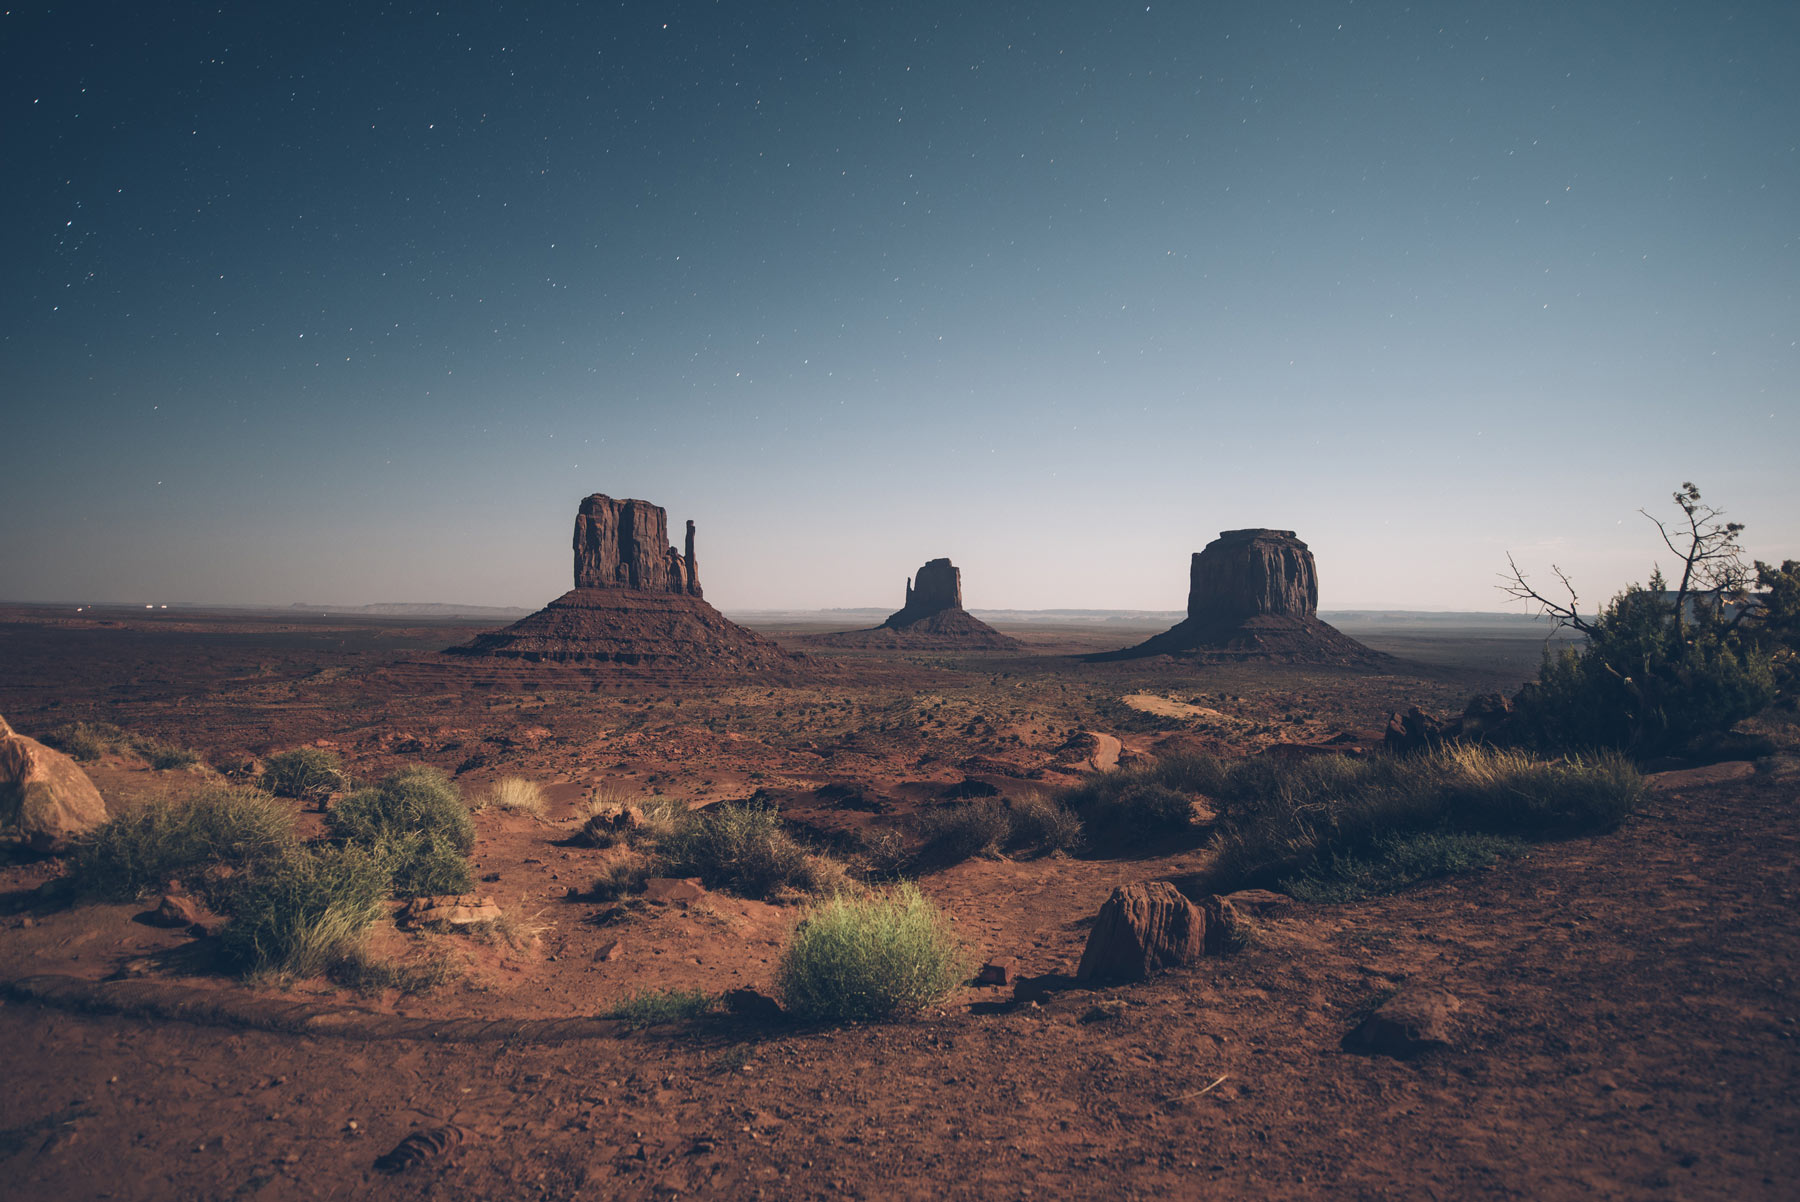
<point>937,587</point>
<point>636,604</point>
<point>1253,594</point>
<point>932,618</point>
<point>625,544</point>
<point>1485,719</point>
<point>46,800</point>
<point>1145,928</point>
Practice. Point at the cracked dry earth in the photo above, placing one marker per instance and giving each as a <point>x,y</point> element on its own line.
<point>1632,1034</point>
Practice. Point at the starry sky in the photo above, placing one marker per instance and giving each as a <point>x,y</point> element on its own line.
<point>354,303</point>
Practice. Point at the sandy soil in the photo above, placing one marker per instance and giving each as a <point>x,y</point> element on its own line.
<point>1630,1025</point>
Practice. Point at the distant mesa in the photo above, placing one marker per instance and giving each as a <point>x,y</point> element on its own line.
<point>636,603</point>
<point>1253,594</point>
<point>933,617</point>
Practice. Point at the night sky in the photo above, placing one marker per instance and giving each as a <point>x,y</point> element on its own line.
<point>354,304</point>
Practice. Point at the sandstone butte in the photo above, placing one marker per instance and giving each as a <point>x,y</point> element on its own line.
<point>1253,594</point>
<point>933,617</point>
<point>636,603</point>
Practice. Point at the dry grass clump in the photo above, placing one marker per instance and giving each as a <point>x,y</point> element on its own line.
<point>992,825</point>
<point>872,957</point>
<point>309,773</point>
<point>178,840</point>
<point>307,911</point>
<point>1333,818</point>
<point>517,795</point>
<point>650,1007</point>
<point>746,849</point>
<point>88,741</point>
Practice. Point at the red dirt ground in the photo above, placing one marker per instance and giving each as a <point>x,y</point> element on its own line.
<point>1631,1024</point>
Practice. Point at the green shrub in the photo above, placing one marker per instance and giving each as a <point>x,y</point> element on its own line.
<point>1284,819</point>
<point>651,1007</point>
<point>417,820</point>
<point>177,840</point>
<point>1392,862</point>
<point>308,773</point>
<point>163,755</point>
<point>306,911</point>
<point>869,958</point>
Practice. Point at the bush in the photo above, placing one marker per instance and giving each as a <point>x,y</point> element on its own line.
<point>954,833</point>
<point>622,877</point>
<point>305,912</point>
<point>1287,819</point>
<point>1641,685</point>
<point>416,820</point>
<point>746,849</point>
<point>1044,825</point>
<point>177,840</point>
<point>986,827</point>
<point>308,773</point>
<point>518,794</point>
<point>1392,862</point>
<point>651,1007</point>
<point>869,958</point>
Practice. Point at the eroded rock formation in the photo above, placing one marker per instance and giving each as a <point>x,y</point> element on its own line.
<point>625,544</point>
<point>1253,594</point>
<point>636,603</point>
<point>933,617</point>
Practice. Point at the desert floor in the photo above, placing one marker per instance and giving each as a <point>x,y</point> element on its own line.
<point>1631,1024</point>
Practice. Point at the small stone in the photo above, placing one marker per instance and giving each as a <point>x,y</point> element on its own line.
<point>753,1005</point>
<point>1408,1024</point>
<point>450,909</point>
<point>1001,970</point>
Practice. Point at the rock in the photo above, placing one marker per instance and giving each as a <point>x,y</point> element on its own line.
<point>669,890</point>
<point>609,951</point>
<point>1415,731</point>
<point>1484,717</point>
<point>1222,930</point>
<point>1140,930</point>
<point>753,1005</point>
<point>1248,573</point>
<point>1253,594</point>
<point>177,910</point>
<point>449,909</point>
<point>421,1147</point>
<point>938,587</point>
<point>46,800</point>
<point>1408,1024</point>
<point>625,544</point>
<point>1001,970</point>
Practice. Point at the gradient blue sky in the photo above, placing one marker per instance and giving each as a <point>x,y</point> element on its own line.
<point>353,304</point>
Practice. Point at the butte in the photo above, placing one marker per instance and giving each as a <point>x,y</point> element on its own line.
<point>932,619</point>
<point>636,604</point>
<point>1253,595</point>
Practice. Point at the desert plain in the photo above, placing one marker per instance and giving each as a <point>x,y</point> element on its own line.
<point>1627,1026</point>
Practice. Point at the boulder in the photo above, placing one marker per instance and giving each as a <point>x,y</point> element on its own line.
<point>46,800</point>
<point>1143,929</point>
<point>1001,970</point>
<point>752,1004</point>
<point>1415,731</point>
<point>1408,1024</point>
<point>177,910</point>
<point>450,909</point>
